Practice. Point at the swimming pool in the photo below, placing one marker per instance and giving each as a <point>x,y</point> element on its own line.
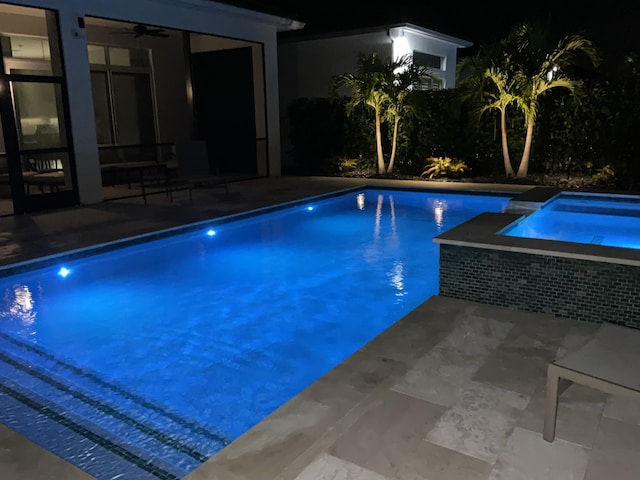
<point>594,219</point>
<point>143,361</point>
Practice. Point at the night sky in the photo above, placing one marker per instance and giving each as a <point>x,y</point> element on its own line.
<point>614,28</point>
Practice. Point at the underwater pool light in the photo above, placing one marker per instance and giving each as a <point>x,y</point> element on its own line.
<point>211,232</point>
<point>63,272</point>
<point>310,208</point>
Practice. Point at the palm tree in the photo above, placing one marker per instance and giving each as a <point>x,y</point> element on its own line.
<point>405,79</point>
<point>518,71</point>
<point>368,88</point>
<point>548,71</point>
<point>386,88</point>
<point>488,84</point>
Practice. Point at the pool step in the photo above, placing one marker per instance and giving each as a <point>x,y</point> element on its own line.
<point>126,418</point>
<point>60,432</point>
<point>597,239</point>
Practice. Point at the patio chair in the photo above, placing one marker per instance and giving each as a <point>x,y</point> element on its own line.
<point>190,169</point>
<point>609,362</point>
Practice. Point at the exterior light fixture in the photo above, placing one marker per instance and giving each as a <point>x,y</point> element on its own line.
<point>401,46</point>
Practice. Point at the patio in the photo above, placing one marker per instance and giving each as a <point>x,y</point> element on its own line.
<point>454,390</point>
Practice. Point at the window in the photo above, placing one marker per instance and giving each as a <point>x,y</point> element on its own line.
<point>38,110</point>
<point>26,47</point>
<point>97,55</point>
<point>434,65</point>
<point>133,108</point>
<point>102,108</point>
<point>123,100</point>
<point>433,83</point>
<point>432,62</point>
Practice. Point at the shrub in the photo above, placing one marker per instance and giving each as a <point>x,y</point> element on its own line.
<point>605,175</point>
<point>356,167</point>
<point>438,167</point>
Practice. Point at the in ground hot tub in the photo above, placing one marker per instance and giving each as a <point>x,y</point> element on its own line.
<point>577,258</point>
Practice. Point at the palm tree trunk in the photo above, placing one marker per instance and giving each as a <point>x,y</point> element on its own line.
<point>524,163</point>
<point>508,169</point>
<point>396,125</point>
<point>379,143</point>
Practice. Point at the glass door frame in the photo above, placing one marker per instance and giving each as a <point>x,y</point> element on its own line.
<point>22,202</point>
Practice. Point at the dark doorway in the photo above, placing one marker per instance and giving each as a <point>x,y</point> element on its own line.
<point>224,106</point>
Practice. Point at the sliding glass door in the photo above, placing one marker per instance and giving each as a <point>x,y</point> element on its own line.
<point>123,101</point>
<point>36,157</point>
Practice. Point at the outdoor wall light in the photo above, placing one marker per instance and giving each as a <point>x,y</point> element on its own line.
<point>401,47</point>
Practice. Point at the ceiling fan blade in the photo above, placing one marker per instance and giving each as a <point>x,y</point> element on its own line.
<point>157,32</point>
<point>142,31</point>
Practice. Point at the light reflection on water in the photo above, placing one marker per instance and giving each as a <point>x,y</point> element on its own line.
<point>19,304</point>
<point>439,208</point>
<point>396,278</point>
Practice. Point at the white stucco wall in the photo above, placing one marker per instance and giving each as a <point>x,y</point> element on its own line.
<point>308,65</point>
<point>202,16</point>
<point>433,46</point>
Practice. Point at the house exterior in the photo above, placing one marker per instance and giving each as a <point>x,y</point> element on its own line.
<point>309,62</point>
<point>85,82</point>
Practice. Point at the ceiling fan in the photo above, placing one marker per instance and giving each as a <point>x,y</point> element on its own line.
<point>141,30</point>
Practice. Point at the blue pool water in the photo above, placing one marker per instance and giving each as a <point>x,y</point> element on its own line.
<point>143,361</point>
<point>591,219</point>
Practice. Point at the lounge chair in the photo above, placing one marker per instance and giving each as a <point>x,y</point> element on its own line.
<point>609,362</point>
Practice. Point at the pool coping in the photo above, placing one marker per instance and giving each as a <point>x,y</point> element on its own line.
<point>484,231</point>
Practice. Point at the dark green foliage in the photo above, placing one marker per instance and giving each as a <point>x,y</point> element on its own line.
<point>316,133</point>
<point>584,135</point>
<point>575,135</point>
<point>433,132</point>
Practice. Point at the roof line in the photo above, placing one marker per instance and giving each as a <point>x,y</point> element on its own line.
<point>302,35</point>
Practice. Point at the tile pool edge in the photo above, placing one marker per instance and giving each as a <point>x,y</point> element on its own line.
<point>588,282</point>
<point>49,260</point>
<point>484,230</point>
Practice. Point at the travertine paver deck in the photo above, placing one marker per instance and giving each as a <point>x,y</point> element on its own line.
<point>453,391</point>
